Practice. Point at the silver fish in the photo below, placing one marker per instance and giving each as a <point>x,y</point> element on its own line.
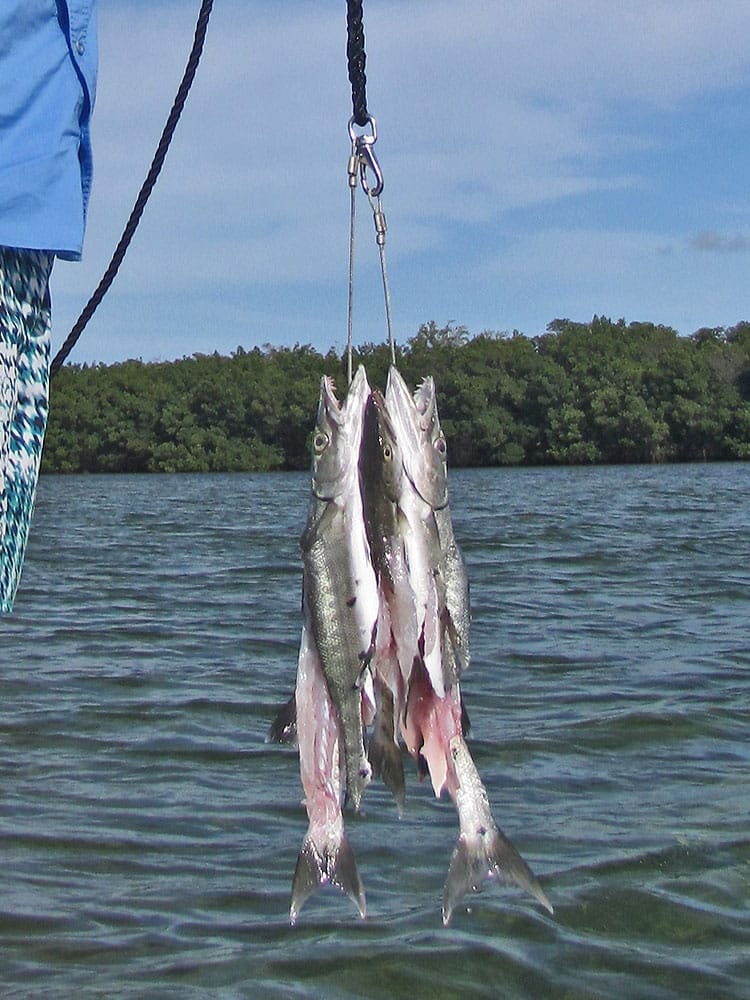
<point>382,482</point>
<point>340,605</point>
<point>482,850</point>
<point>433,485</point>
<point>326,856</point>
<point>456,621</point>
<point>385,635</point>
<point>432,721</point>
<point>423,488</point>
<point>339,587</point>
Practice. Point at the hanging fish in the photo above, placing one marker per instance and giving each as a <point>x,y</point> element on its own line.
<point>422,487</point>
<point>325,855</point>
<point>381,482</point>
<point>482,850</point>
<point>385,638</point>
<point>456,612</point>
<point>340,606</point>
<point>432,718</point>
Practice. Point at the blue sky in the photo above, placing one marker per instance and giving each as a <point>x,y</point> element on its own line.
<point>542,159</point>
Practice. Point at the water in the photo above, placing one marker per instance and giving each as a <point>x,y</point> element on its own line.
<point>148,833</point>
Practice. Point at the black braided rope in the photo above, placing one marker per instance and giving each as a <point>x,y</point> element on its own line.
<point>144,193</point>
<point>355,54</point>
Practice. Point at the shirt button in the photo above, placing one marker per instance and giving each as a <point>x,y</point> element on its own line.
<point>79,47</point>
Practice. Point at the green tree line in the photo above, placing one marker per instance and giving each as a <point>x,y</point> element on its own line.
<point>603,391</point>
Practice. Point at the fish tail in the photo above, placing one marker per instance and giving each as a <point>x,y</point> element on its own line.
<point>315,869</point>
<point>488,855</point>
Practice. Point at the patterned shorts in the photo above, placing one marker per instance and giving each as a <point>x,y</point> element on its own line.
<point>25,322</point>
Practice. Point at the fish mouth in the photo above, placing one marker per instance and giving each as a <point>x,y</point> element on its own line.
<point>335,411</point>
<point>353,405</point>
<point>416,421</point>
<point>359,391</point>
<point>424,401</point>
<point>338,432</point>
<point>395,386</point>
<point>329,406</point>
<point>421,404</point>
<point>402,408</point>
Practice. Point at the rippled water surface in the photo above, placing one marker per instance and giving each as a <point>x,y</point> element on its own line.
<point>148,833</point>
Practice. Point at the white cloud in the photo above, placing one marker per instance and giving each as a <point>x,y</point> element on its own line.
<point>591,50</point>
<point>486,111</point>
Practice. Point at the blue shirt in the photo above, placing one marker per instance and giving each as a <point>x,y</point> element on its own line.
<point>48,62</point>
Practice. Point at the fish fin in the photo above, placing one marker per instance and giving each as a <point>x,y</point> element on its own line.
<point>346,876</point>
<point>366,655</point>
<point>489,855</point>
<point>387,763</point>
<point>314,869</point>
<point>284,727</point>
<point>383,750</point>
<point>452,666</point>
<point>465,720</point>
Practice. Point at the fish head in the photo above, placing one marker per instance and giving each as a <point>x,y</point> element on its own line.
<point>417,425</point>
<point>380,459</point>
<point>337,436</point>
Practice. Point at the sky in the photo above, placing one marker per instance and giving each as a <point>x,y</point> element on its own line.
<point>542,159</point>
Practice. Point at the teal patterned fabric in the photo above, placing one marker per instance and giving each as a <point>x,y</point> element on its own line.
<point>25,322</point>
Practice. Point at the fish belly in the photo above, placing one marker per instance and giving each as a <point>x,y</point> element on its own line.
<point>326,856</point>
<point>319,748</point>
<point>430,722</point>
<point>340,596</point>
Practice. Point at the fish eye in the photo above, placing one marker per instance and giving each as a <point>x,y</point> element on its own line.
<point>387,452</point>
<point>440,446</point>
<point>320,442</point>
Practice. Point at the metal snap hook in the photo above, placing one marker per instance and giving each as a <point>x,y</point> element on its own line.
<point>363,152</point>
